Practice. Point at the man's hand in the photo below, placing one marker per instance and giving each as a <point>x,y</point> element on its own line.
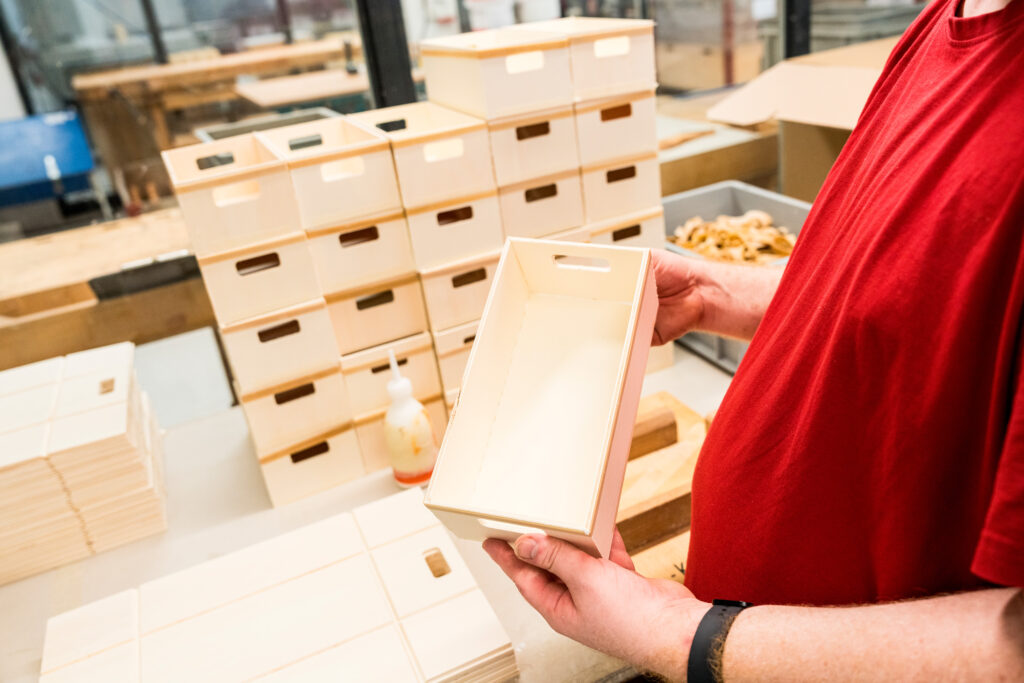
<point>604,604</point>
<point>715,297</point>
<point>680,304</point>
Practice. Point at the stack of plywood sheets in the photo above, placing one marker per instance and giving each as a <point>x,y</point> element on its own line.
<point>80,466</point>
<point>380,594</point>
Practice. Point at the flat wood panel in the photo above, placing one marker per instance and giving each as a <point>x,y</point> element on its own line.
<point>143,317</point>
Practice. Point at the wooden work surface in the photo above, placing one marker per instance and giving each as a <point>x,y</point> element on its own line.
<point>661,482</point>
<point>271,93</point>
<point>65,258</point>
<point>157,77</point>
<point>47,307</point>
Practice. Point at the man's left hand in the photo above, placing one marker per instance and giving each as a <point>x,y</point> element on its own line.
<point>604,604</point>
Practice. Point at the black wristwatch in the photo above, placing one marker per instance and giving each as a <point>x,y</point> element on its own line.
<point>710,635</point>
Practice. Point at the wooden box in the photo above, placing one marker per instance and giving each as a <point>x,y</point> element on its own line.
<point>452,347</point>
<point>313,465</point>
<point>367,372</point>
<point>232,192</point>
<point>639,229</point>
<point>368,250</point>
<point>439,153</point>
<point>377,313</point>
<point>616,127</point>
<point>533,145</point>
<point>542,206</point>
<point>285,344</point>
<point>456,293</point>
<point>498,73</point>
<point>370,430</point>
<point>282,416</point>
<point>453,230</point>
<point>541,430</point>
<point>341,170</point>
<point>609,56</point>
<point>260,278</point>
<point>622,186</point>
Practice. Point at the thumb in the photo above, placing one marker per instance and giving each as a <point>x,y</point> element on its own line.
<point>562,559</point>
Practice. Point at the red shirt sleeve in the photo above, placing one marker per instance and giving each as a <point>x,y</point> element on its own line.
<point>999,555</point>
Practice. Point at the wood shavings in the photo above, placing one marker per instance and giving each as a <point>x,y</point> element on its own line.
<point>751,238</point>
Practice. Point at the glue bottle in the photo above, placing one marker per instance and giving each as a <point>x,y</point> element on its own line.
<point>409,435</point>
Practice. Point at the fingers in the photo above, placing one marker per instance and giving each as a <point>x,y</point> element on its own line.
<point>619,555</point>
<point>543,591</point>
<point>565,561</point>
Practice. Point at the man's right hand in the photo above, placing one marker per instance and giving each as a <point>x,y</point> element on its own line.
<point>722,298</point>
<point>680,305</point>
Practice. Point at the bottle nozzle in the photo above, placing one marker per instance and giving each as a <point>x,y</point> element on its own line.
<point>395,374</point>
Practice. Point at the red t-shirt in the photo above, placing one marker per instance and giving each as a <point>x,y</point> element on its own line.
<point>871,446</point>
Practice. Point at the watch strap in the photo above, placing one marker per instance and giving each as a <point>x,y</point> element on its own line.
<point>711,633</point>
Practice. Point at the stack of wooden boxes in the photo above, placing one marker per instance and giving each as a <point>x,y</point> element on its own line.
<point>325,244</point>
<point>569,108</point>
<point>445,171</point>
<point>80,464</point>
<point>378,594</point>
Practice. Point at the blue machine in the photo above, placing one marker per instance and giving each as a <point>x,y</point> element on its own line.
<point>43,157</point>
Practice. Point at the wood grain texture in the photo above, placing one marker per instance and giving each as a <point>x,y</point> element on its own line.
<point>655,503</point>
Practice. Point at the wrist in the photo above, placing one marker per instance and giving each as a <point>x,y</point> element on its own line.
<point>670,650</point>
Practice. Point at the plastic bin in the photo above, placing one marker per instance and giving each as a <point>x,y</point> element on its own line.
<point>730,198</point>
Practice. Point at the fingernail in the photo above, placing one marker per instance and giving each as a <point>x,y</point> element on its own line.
<point>526,548</point>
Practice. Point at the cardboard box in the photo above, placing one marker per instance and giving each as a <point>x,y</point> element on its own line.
<point>540,433</point>
<point>817,100</point>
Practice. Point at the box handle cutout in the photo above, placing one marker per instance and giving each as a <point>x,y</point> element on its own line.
<point>282,397</point>
<point>534,130</point>
<point>582,262</point>
<point>349,167</point>
<point>257,263</point>
<point>278,331</point>
<point>543,192</point>
<point>615,46</point>
<point>351,239</point>
<point>311,452</point>
<point>624,173</point>
<point>386,366</point>
<point>622,111</point>
<point>470,339</point>
<point>625,233</point>
<point>107,386</point>
<point>436,563</point>
<point>442,150</point>
<point>463,213</point>
<point>378,299</point>
<point>236,193</point>
<point>305,141</point>
<point>469,278</point>
<point>215,160</point>
<point>391,126</point>
<point>524,62</point>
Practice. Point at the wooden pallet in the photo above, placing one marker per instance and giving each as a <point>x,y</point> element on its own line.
<point>654,509</point>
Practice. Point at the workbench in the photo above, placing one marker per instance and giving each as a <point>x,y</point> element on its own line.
<point>308,88</point>
<point>47,307</point>
<point>217,504</point>
<point>120,103</point>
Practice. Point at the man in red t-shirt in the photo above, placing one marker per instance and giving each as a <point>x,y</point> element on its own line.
<point>870,450</point>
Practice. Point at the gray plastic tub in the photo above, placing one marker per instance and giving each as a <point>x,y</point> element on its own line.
<point>730,198</point>
<point>269,122</point>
